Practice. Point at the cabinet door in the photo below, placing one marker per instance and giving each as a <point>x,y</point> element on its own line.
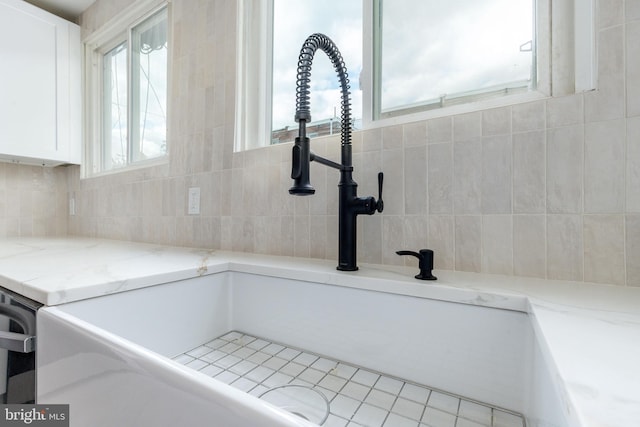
<point>35,82</point>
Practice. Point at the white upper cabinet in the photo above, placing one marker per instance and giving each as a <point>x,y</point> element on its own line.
<point>40,86</point>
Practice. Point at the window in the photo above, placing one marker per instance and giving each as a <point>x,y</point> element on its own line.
<point>127,91</point>
<point>419,59</point>
<point>342,22</point>
<point>458,51</point>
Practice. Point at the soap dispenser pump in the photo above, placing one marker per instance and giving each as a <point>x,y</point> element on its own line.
<point>425,263</point>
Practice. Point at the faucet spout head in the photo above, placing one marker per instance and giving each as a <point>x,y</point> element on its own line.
<point>300,165</point>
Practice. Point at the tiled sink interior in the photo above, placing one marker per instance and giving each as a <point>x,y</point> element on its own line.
<point>357,396</point>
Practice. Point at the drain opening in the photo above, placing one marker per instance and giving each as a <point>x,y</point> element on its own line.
<point>304,402</point>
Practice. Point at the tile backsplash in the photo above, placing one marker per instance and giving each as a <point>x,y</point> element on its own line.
<point>549,188</point>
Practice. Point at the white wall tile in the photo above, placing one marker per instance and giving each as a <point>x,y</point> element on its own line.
<point>496,121</point>
<point>468,240</point>
<point>564,247</point>
<point>496,174</point>
<point>632,68</point>
<point>528,117</point>
<point>415,134</point>
<point>565,111</point>
<point>467,177</point>
<point>440,178</point>
<point>529,245</point>
<point>441,241</point>
<point>467,126</point>
<point>633,165</point>
<point>632,10</point>
<point>416,235</point>
<point>608,101</point>
<point>497,244</point>
<point>604,249</point>
<point>603,176</point>
<point>415,181</point>
<point>632,247</point>
<point>565,147</point>
<point>529,166</point>
<point>393,238</point>
<point>439,130</point>
<point>393,192</point>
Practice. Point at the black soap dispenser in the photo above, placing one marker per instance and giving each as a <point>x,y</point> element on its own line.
<point>425,258</point>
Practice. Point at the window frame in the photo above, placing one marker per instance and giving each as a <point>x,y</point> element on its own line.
<point>112,34</point>
<point>574,71</point>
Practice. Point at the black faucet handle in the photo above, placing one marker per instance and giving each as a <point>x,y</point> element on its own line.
<point>380,202</point>
<point>425,263</point>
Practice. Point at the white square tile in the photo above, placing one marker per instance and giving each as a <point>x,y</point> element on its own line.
<point>415,393</point>
<point>408,408</point>
<point>344,406</point>
<point>436,418</point>
<point>330,395</point>
<point>277,379</point>
<point>365,377</point>
<point>395,420</point>
<point>258,344</point>
<point>183,359</point>
<point>335,421</point>
<point>272,349</point>
<point>324,365</point>
<point>245,340</point>
<point>390,385</point>
<point>370,415</point>
<point>381,399</point>
<point>503,419</point>
<point>297,381</point>
<point>211,370</point>
<point>355,390</point>
<point>463,422</point>
<point>259,357</point>
<point>217,343</point>
<point>332,382</point>
<point>274,363</point>
<point>288,353</point>
<point>227,377</point>
<point>260,374</point>
<point>475,412</point>
<point>292,368</point>
<point>244,352</point>
<point>243,384</point>
<point>197,364</point>
<point>306,359</point>
<point>344,371</point>
<point>444,402</point>
<point>242,367</point>
<point>311,375</point>
<point>199,351</point>
<point>259,390</point>
<point>231,336</point>
<point>227,361</point>
<point>229,347</point>
<point>213,356</point>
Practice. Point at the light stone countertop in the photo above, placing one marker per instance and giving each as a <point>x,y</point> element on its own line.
<point>591,333</point>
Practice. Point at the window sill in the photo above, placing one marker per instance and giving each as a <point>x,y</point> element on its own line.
<point>503,101</point>
<point>146,164</point>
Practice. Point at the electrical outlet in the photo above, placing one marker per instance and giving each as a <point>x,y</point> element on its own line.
<point>193,206</point>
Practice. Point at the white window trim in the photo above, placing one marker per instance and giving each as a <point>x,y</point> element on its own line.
<point>253,82</point>
<point>95,43</point>
<point>573,71</point>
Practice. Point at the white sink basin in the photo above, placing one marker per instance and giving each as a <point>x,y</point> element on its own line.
<point>110,357</point>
